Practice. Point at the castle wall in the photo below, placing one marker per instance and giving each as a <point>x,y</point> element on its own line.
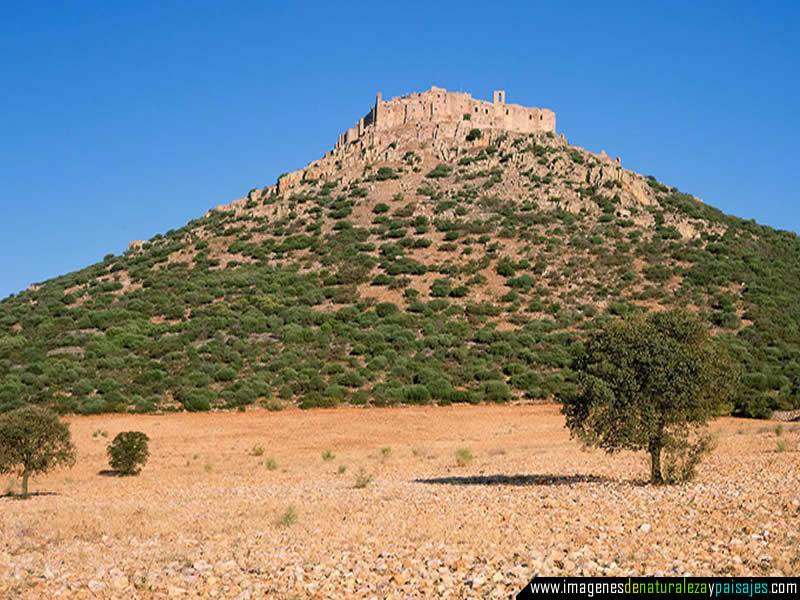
<point>438,106</point>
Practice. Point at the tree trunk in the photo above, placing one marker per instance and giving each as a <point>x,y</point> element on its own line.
<point>655,461</point>
<point>25,475</point>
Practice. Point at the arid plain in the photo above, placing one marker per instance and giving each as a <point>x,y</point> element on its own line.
<point>466,501</point>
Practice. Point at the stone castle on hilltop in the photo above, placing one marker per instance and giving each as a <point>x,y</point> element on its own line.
<point>459,110</point>
<point>435,117</point>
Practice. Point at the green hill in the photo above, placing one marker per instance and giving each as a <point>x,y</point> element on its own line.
<point>461,270</point>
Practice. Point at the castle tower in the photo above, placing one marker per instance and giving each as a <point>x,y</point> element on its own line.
<point>378,103</point>
<point>499,97</point>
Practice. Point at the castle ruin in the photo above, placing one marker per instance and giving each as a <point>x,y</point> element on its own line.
<point>451,111</point>
<point>435,116</point>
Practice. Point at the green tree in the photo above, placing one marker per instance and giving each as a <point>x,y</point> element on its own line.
<point>647,381</point>
<point>33,440</point>
<point>128,452</point>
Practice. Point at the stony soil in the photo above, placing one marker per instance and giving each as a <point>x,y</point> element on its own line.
<point>204,518</point>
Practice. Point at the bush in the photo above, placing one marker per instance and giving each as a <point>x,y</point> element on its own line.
<point>385,173</point>
<point>363,479</point>
<point>474,134</point>
<point>128,452</point>
<point>495,391</point>
<point>463,457</point>
<point>682,457</point>
<point>440,171</point>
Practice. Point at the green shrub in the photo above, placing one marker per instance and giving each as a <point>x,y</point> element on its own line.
<point>464,456</point>
<point>474,134</point>
<point>495,391</point>
<point>128,452</point>
<point>440,171</point>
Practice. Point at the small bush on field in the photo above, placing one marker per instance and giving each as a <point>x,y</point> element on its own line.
<point>681,457</point>
<point>328,455</point>
<point>463,457</point>
<point>270,464</point>
<point>288,518</point>
<point>128,452</point>
<point>341,469</point>
<point>363,479</point>
<point>257,451</point>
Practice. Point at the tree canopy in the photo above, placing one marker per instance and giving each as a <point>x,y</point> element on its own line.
<point>33,440</point>
<point>646,381</point>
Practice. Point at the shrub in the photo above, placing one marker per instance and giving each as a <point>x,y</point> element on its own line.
<point>463,457</point>
<point>288,518</point>
<point>474,134</point>
<point>128,452</point>
<point>363,479</point>
<point>415,394</point>
<point>682,457</point>
<point>385,173</point>
<point>495,391</point>
<point>33,440</point>
<point>197,401</point>
<point>327,456</point>
<point>440,171</point>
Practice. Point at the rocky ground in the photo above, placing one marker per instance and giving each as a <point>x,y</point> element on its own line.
<point>245,506</point>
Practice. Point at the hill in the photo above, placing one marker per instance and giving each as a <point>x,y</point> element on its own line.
<point>438,253</point>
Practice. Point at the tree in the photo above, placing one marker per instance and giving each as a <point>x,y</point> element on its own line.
<point>33,440</point>
<point>128,452</point>
<point>647,381</point>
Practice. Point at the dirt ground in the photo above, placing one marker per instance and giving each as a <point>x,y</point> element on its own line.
<point>243,505</point>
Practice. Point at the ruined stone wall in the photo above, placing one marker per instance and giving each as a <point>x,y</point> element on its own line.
<point>438,106</point>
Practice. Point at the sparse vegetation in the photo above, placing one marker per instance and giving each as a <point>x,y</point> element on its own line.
<point>463,457</point>
<point>288,518</point>
<point>327,456</point>
<point>363,479</point>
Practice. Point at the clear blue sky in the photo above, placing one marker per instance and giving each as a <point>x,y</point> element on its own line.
<point>120,120</point>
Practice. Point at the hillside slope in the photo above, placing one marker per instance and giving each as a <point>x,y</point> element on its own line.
<point>406,268</point>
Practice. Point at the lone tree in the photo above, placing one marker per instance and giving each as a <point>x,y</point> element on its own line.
<point>648,381</point>
<point>33,440</point>
<point>129,452</point>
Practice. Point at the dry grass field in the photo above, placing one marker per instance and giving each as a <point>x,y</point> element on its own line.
<point>466,501</point>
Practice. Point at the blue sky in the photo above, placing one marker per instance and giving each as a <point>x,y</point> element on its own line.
<point>120,120</point>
